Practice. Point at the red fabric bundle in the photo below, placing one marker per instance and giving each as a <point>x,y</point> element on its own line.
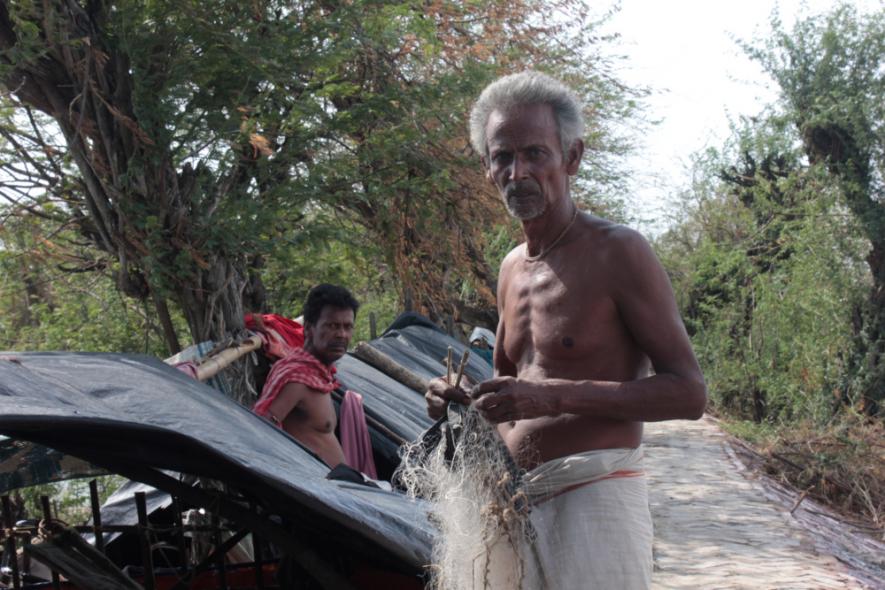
<point>281,334</point>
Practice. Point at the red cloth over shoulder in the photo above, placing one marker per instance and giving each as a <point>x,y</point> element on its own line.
<point>298,367</point>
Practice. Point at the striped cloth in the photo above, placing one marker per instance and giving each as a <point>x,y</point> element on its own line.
<point>299,367</point>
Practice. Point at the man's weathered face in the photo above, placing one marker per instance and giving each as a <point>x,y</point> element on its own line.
<point>525,159</point>
<point>329,338</point>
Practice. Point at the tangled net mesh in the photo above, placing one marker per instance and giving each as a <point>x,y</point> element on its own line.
<point>485,539</point>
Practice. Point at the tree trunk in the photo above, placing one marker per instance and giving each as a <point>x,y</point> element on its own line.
<point>135,206</point>
<point>166,323</point>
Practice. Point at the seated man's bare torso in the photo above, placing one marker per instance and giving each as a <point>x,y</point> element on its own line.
<point>311,420</point>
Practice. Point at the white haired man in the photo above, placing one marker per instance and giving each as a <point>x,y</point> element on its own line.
<point>586,310</point>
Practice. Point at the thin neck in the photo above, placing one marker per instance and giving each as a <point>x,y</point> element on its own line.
<point>543,230</point>
<point>308,347</point>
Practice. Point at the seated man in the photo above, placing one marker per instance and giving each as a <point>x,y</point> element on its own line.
<point>296,396</point>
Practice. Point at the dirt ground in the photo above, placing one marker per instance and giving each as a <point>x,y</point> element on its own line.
<point>720,525</point>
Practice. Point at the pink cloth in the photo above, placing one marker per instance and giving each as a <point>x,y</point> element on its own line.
<point>189,368</point>
<point>299,367</point>
<point>355,435</point>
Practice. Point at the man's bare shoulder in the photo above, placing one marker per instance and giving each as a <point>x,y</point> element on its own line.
<point>515,254</point>
<point>292,395</point>
<point>605,230</point>
<point>620,244</point>
<point>295,394</point>
<point>300,389</point>
<point>632,266</point>
<point>509,263</point>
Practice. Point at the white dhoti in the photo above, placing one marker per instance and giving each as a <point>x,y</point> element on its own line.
<point>591,517</point>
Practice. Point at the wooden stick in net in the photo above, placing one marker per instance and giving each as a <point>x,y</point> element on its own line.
<point>462,366</point>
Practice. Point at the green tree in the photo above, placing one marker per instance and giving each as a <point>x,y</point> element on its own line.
<point>768,267</point>
<point>55,295</point>
<point>189,142</point>
<point>831,73</point>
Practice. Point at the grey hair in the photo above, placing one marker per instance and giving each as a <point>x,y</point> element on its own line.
<point>526,88</point>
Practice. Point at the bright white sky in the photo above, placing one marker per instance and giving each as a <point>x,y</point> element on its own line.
<point>685,50</point>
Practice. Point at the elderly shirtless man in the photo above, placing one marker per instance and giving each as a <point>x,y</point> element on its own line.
<point>589,346</point>
<point>296,396</point>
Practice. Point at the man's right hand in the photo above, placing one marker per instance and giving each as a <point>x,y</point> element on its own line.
<point>439,393</point>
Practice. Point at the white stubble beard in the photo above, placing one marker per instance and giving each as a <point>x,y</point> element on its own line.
<point>525,206</point>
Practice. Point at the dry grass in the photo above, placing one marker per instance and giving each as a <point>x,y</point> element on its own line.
<point>841,465</point>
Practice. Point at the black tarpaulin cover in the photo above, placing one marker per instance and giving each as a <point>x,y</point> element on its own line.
<point>423,351</point>
<point>137,410</point>
<point>24,464</point>
<point>128,410</point>
<point>418,348</point>
<point>120,508</point>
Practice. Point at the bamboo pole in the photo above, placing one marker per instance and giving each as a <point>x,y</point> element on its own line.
<point>211,366</point>
<point>371,355</point>
<point>96,515</point>
<point>147,558</point>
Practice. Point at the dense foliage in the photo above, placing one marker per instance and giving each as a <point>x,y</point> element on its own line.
<point>768,270</point>
<point>831,72</point>
<point>778,261</point>
<point>189,148</point>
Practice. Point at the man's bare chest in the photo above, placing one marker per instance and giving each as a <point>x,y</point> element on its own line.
<point>316,411</point>
<point>557,315</point>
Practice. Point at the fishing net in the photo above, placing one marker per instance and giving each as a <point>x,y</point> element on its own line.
<point>463,468</point>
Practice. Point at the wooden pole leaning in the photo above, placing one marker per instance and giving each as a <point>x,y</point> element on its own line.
<point>371,355</point>
<point>214,364</point>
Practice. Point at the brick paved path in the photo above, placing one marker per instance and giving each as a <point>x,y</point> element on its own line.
<point>718,525</point>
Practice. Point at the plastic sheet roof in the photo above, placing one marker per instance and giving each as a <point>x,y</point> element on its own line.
<point>118,410</point>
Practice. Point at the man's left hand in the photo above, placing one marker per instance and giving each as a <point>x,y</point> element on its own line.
<point>505,399</point>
